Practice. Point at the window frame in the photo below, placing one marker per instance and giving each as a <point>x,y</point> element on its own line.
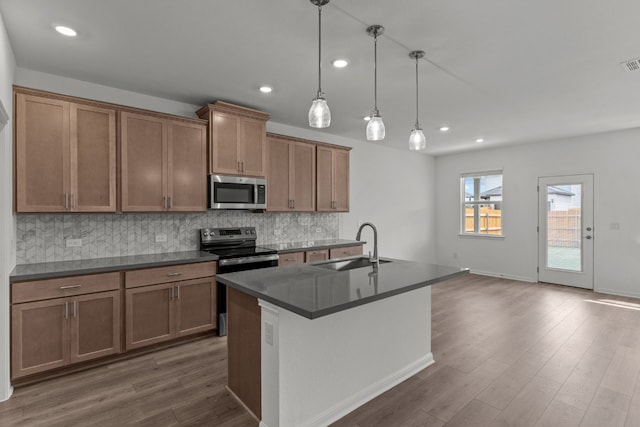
<point>477,202</point>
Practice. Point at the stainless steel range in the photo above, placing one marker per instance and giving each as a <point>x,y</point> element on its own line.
<point>237,251</point>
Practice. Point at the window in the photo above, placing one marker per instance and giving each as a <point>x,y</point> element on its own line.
<point>481,204</point>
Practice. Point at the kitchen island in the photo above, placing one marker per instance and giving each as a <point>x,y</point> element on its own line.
<point>309,344</point>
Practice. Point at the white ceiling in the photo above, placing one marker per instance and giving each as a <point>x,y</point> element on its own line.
<point>509,71</point>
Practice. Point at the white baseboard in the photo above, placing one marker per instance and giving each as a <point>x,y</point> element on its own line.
<point>343,408</point>
<point>617,292</point>
<point>8,395</point>
<point>505,276</point>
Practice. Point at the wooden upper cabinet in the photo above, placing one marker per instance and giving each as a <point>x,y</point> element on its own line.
<point>332,179</point>
<point>65,155</point>
<point>163,164</point>
<point>237,139</point>
<point>291,174</point>
<point>187,167</point>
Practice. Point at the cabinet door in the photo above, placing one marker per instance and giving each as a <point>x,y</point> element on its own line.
<point>341,180</point>
<point>252,146</point>
<point>320,255</point>
<point>187,169</point>
<point>95,325</point>
<point>143,163</point>
<point>278,192</point>
<point>39,336</point>
<point>303,176</point>
<point>224,143</point>
<point>93,158</point>
<point>195,306</point>
<point>149,315</point>
<point>324,182</point>
<point>42,154</point>
<point>291,258</point>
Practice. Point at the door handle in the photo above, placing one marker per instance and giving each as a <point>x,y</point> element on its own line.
<point>588,237</point>
<point>588,228</point>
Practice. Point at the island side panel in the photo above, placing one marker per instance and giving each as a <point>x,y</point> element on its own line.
<point>243,342</point>
<point>348,357</point>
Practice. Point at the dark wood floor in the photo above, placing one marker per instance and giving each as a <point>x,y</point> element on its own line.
<point>507,354</point>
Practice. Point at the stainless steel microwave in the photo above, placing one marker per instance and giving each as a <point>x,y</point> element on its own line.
<point>237,192</point>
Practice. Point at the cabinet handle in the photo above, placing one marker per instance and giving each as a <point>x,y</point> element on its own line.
<point>66,201</point>
<point>242,163</point>
<point>66,309</point>
<point>239,170</point>
<point>174,274</point>
<point>170,202</point>
<point>75,311</point>
<point>70,287</point>
<point>290,259</point>
<point>172,290</point>
<point>294,204</point>
<point>73,200</point>
<point>178,291</point>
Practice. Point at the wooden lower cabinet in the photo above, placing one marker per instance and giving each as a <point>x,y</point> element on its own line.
<point>345,251</point>
<point>54,333</point>
<point>162,312</point>
<point>291,258</point>
<point>319,255</point>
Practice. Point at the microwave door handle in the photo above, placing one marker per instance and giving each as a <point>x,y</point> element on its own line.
<point>255,194</point>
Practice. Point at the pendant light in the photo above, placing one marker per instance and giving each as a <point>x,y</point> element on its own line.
<point>319,114</point>
<point>375,127</point>
<point>417,140</point>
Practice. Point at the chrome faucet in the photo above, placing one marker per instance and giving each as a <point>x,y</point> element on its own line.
<point>374,260</point>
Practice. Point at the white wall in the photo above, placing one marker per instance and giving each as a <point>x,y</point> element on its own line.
<point>7,223</point>
<point>393,189</point>
<point>611,157</point>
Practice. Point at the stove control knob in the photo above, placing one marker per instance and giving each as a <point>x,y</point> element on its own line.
<point>246,231</point>
<point>253,231</point>
<point>205,234</point>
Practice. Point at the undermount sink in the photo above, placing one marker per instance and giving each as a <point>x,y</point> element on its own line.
<point>349,264</point>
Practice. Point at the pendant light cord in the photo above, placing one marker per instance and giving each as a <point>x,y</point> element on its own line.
<point>375,73</point>
<point>417,123</point>
<point>319,50</point>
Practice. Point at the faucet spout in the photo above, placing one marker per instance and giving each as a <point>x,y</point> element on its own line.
<point>374,259</point>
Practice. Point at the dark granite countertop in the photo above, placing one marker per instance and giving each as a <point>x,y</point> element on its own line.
<point>312,291</point>
<point>50,270</point>
<point>311,245</point>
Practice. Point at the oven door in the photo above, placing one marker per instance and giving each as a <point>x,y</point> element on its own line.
<point>232,265</point>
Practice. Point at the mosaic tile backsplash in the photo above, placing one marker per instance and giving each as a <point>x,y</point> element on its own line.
<point>41,238</point>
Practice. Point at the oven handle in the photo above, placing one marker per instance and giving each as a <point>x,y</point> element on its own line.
<point>248,260</point>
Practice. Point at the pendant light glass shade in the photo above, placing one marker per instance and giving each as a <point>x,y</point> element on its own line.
<point>319,113</point>
<point>417,141</point>
<point>375,128</point>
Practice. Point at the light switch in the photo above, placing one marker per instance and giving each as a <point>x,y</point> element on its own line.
<point>268,333</point>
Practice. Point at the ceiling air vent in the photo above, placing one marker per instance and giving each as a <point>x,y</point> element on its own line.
<point>631,65</point>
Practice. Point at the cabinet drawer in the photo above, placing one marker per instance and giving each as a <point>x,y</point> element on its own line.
<point>345,251</point>
<point>320,255</point>
<point>172,273</point>
<point>63,287</point>
<point>291,258</point>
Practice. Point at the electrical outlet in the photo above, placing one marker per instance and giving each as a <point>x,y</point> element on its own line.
<point>318,230</point>
<point>614,226</point>
<point>73,243</point>
<point>161,237</point>
<point>268,333</point>
<point>277,232</point>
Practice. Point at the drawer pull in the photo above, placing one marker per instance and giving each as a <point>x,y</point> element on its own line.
<point>70,287</point>
<point>290,259</point>
<point>174,274</point>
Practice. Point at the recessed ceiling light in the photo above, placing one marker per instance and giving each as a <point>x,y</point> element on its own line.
<point>479,140</point>
<point>266,89</point>
<point>66,31</point>
<point>340,63</point>
<point>444,129</point>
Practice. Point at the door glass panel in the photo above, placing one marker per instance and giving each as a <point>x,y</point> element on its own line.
<point>564,227</point>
